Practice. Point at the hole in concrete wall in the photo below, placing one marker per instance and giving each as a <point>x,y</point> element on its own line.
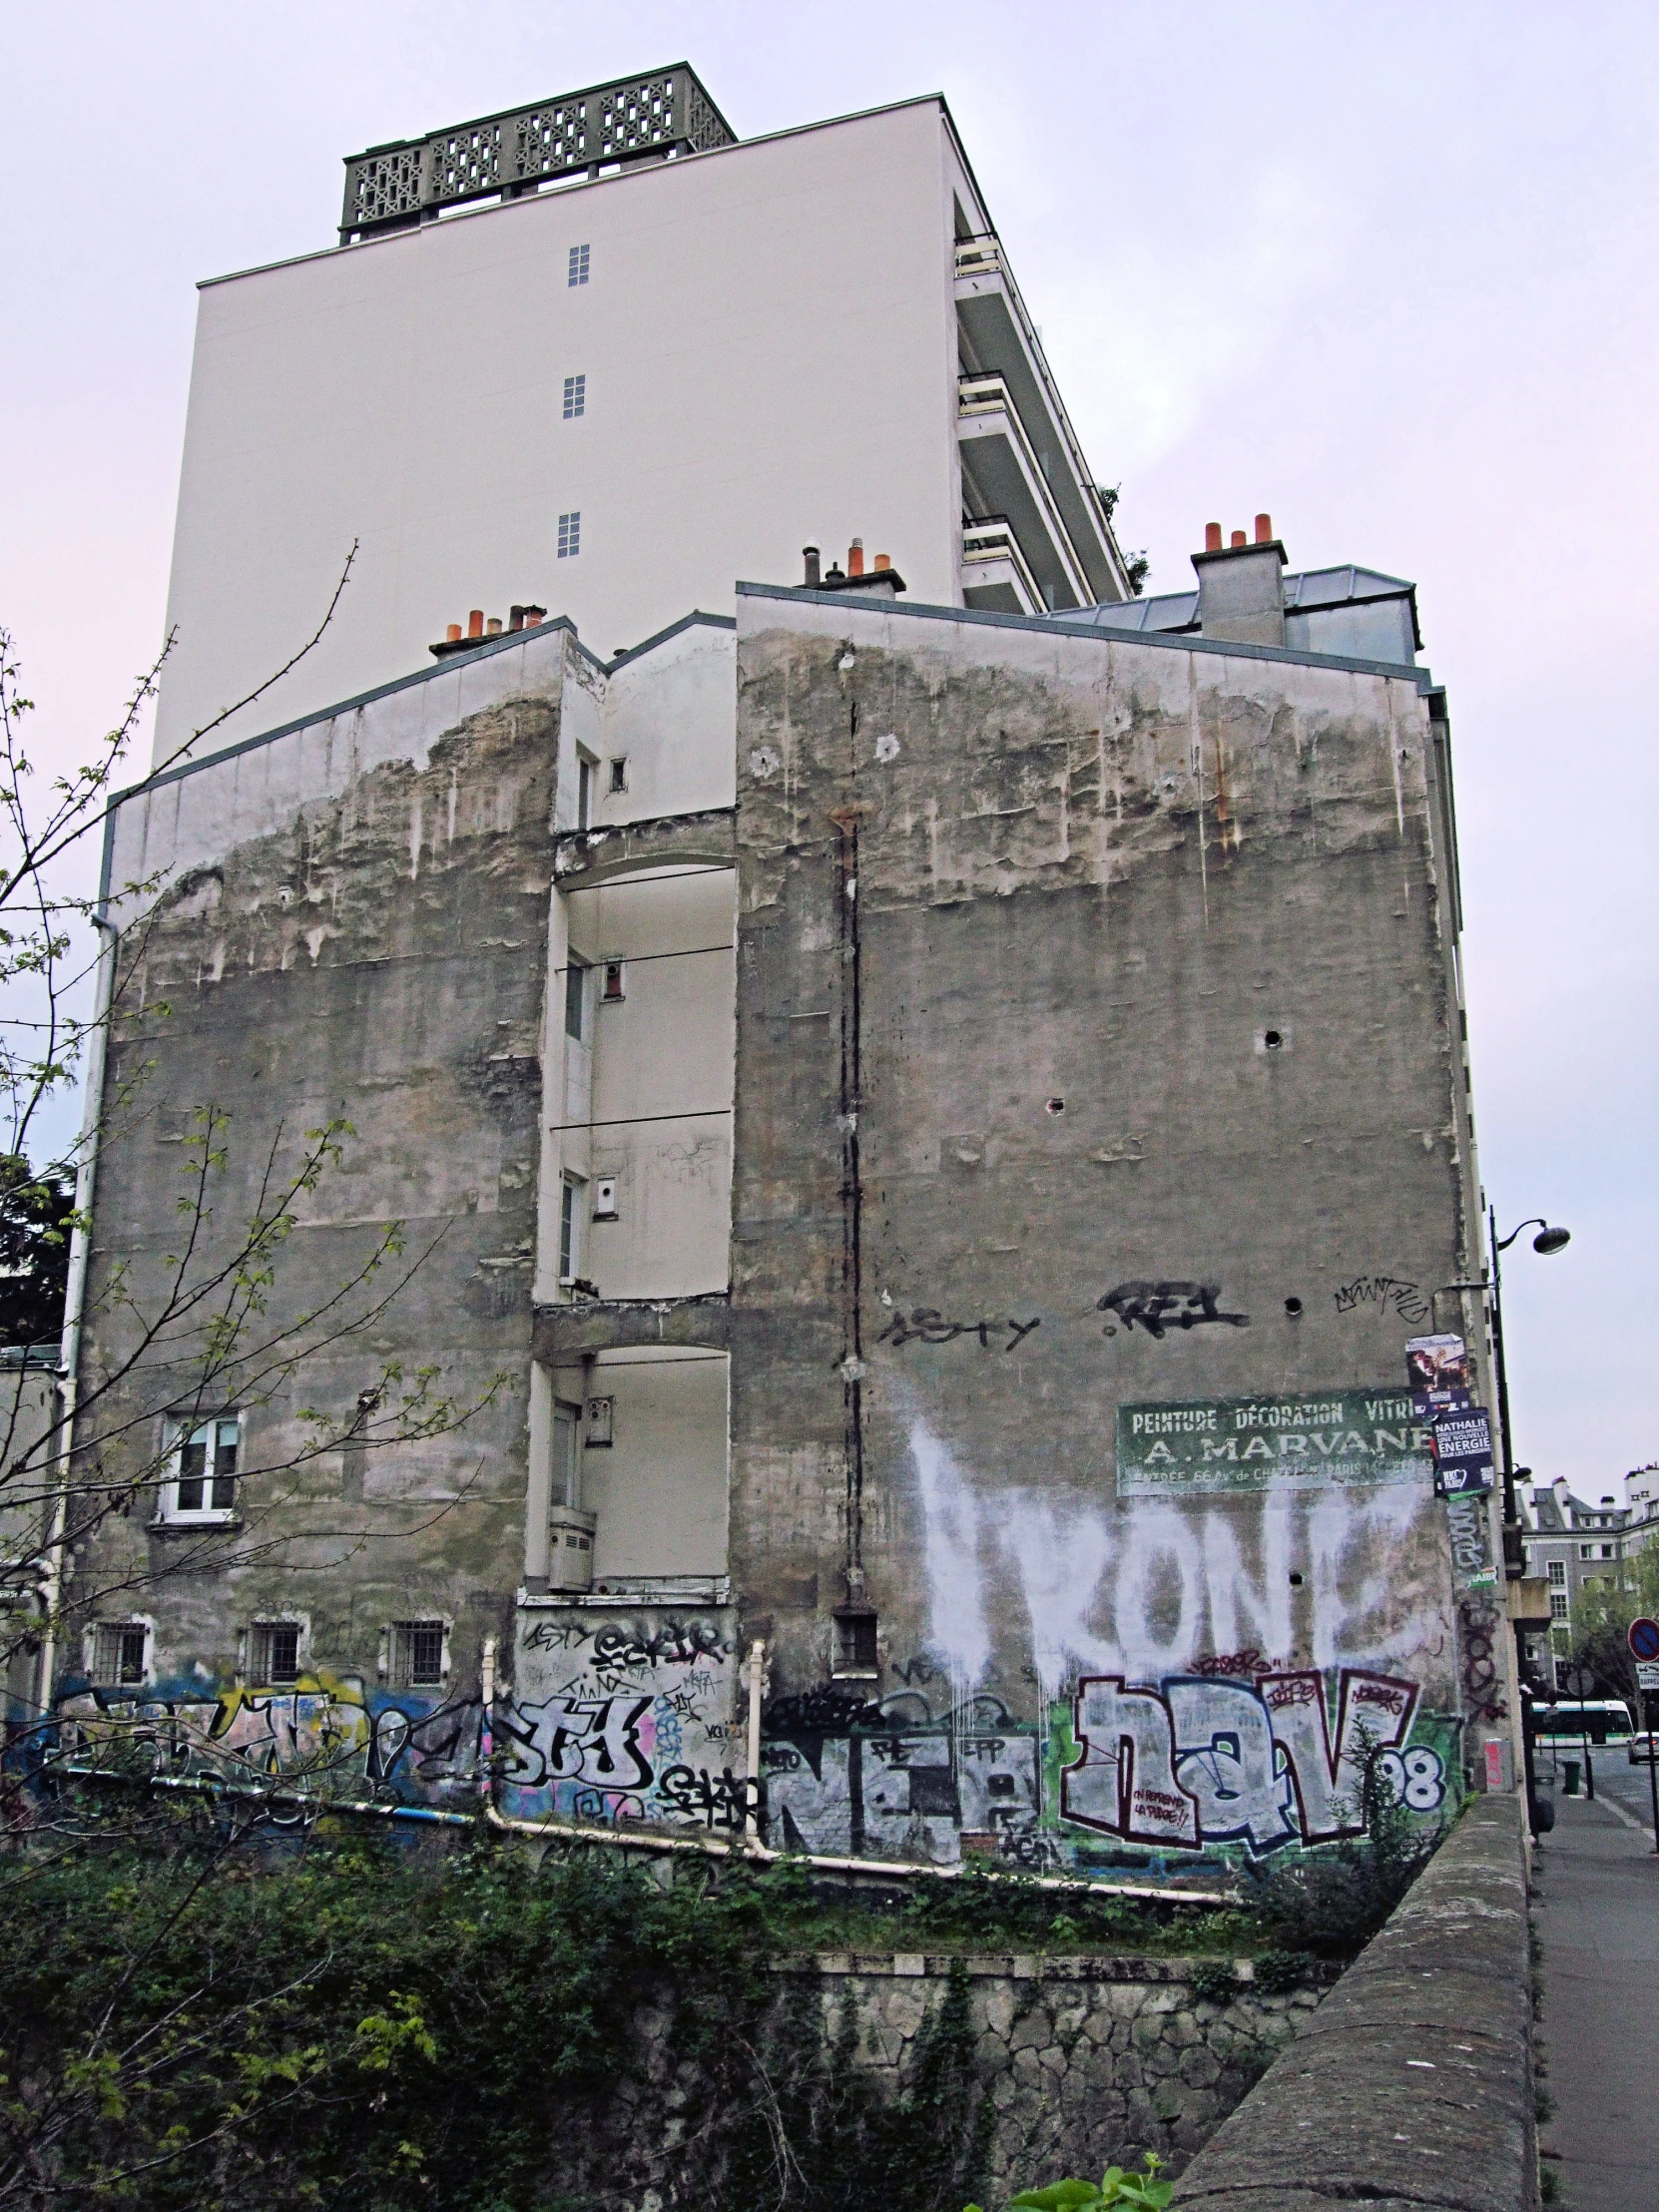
<point>1295,1581</point>
<point>1292,1307</point>
<point>1273,1039</point>
<point>1057,1106</point>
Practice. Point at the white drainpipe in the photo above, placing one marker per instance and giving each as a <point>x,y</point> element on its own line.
<point>757,1670</point>
<point>69,1361</point>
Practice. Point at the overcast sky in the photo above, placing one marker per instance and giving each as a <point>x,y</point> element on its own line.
<point>1384,270</point>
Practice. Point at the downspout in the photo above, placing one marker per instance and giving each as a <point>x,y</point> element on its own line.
<point>752,1811</point>
<point>69,1360</point>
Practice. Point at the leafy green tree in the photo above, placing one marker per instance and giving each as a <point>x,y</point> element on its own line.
<point>1606,1607</point>
<point>37,1211</point>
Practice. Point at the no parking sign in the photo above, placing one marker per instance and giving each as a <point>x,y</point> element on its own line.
<point>1643,1639</point>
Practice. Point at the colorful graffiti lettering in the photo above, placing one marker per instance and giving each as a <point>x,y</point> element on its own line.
<point>1201,1760</point>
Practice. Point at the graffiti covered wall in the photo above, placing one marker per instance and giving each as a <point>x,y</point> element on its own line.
<point>1099,1038</point>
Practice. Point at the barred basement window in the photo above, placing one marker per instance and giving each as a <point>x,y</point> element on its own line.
<point>570,534</point>
<point>417,1655</point>
<point>579,264</point>
<point>576,398</point>
<point>118,1652</point>
<point>274,1652</point>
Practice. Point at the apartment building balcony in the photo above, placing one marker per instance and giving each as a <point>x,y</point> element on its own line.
<point>993,571</point>
<point>998,337</point>
<point>1001,476</point>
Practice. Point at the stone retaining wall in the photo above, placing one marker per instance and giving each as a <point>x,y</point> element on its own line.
<point>1412,2086</point>
<point>1086,2060</point>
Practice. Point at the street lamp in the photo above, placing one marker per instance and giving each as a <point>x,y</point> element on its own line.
<point>1547,1239</point>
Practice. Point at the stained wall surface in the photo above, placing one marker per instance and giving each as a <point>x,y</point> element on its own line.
<point>1101,1138</point>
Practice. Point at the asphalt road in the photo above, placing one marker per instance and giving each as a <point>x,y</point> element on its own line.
<point>1597,1905</point>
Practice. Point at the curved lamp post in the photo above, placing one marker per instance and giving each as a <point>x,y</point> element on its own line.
<point>1547,1239</point>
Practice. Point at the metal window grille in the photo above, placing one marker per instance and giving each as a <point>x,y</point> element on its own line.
<point>118,1652</point>
<point>576,398</point>
<point>206,1481</point>
<point>578,266</point>
<point>576,983</point>
<point>274,1652</point>
<point>570,535</point>
<point>416,1654</point>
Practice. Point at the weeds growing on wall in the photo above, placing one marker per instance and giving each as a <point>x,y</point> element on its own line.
<point>1333,1901</point>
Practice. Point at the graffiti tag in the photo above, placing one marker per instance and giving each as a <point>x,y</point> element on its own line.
<point>1383,1292</point>
<point>924,1326</point>
<point>1160,1307</point>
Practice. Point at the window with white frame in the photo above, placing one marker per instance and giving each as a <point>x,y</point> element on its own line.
<point>274,1653</point>
<point>570,534</point>
<point>576,398</point>
<point>417,1655</point>
<point>579,264</point>
<point>1557,1605</point>
<point>576,1000</point>
<point>1586,1551</point>
<point>119,1653</point>
<point>570,1228</point>
<point>1558,1572</point>
<point>203,1481</point>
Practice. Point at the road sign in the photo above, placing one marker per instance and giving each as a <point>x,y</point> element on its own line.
<point>1647,1675</point>
<point>1643,1639</point>
<point>1579,1682</point>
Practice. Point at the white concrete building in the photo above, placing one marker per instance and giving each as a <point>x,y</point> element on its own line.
<point>615,393</point>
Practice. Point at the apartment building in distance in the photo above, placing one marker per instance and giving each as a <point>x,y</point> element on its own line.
<point>920,1099</point>
<point>1574,1546</point>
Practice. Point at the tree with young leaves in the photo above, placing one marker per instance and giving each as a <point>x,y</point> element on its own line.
<point>1625,1593</point>
<point>209,1322</point>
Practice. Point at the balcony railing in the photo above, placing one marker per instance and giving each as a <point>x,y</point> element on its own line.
<point>634,119</point>
<point>982,395</point>
<point>992,538</point>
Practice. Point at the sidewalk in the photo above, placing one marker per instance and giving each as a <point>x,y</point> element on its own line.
<point>1597,1903</point>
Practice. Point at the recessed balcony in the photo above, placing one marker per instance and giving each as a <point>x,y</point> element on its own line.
<point>999,337</point>
<point>1002,477</point>
<point>993,574</point>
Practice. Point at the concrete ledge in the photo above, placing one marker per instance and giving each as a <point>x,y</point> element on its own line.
<point>1412,2083</point>
<point>564,1332</point>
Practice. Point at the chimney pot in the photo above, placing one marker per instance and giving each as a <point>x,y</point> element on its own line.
<point>882,561</point>
<point>475,623</point>
<point>492,628</point>
<point>452,634</point>
<point>533,615</point>
<point>1264,529</point>
<point>1212,537</point>
<point>855,557</point>
<point>809,553</point>
<point>1238,538</point>
<point>515,618</point>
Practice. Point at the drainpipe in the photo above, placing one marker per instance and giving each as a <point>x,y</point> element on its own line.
<point>69,1360</point>
<point>752,1812</point>
<point>486,1731</point>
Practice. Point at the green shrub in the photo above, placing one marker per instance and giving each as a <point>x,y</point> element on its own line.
<point>1215,1980</point>
<point>1280,1971</point>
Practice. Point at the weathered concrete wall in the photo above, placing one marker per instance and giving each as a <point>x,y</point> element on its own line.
<point>1086,2062</point>
<point>1098,1050</point>
<point>351,925</point>
<point>1412,2084</point>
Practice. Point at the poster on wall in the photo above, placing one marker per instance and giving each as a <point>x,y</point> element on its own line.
<point>1438,1372</point>
<point>1463,1452</point>
<point>1267,1444</point>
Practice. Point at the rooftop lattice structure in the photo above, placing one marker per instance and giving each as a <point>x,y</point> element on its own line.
<point>635,119</point>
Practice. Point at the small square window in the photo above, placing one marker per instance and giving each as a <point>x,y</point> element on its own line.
<point>615,978</point>
<point>204,1470</point>
<point>855,1651</point>
<point>118,1653</point>
<point>570,535</point>
<point>274,1653</point>
<point>417,1655</point>
<point>619,772</point>
<point>579,264</point>
<point>576,398</point>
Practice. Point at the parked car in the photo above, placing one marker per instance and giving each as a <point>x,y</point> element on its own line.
<point>1642,1748</point>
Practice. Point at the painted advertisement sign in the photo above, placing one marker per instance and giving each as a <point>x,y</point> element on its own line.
<point>1225,1445</point>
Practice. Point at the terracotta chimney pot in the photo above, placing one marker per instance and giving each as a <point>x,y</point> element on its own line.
<point>1238,538</point>
<point>855,557</point>
<point>453,634</point>
<point>475,623</point>
<point>1264,529</point>
<point>1212,537</point>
